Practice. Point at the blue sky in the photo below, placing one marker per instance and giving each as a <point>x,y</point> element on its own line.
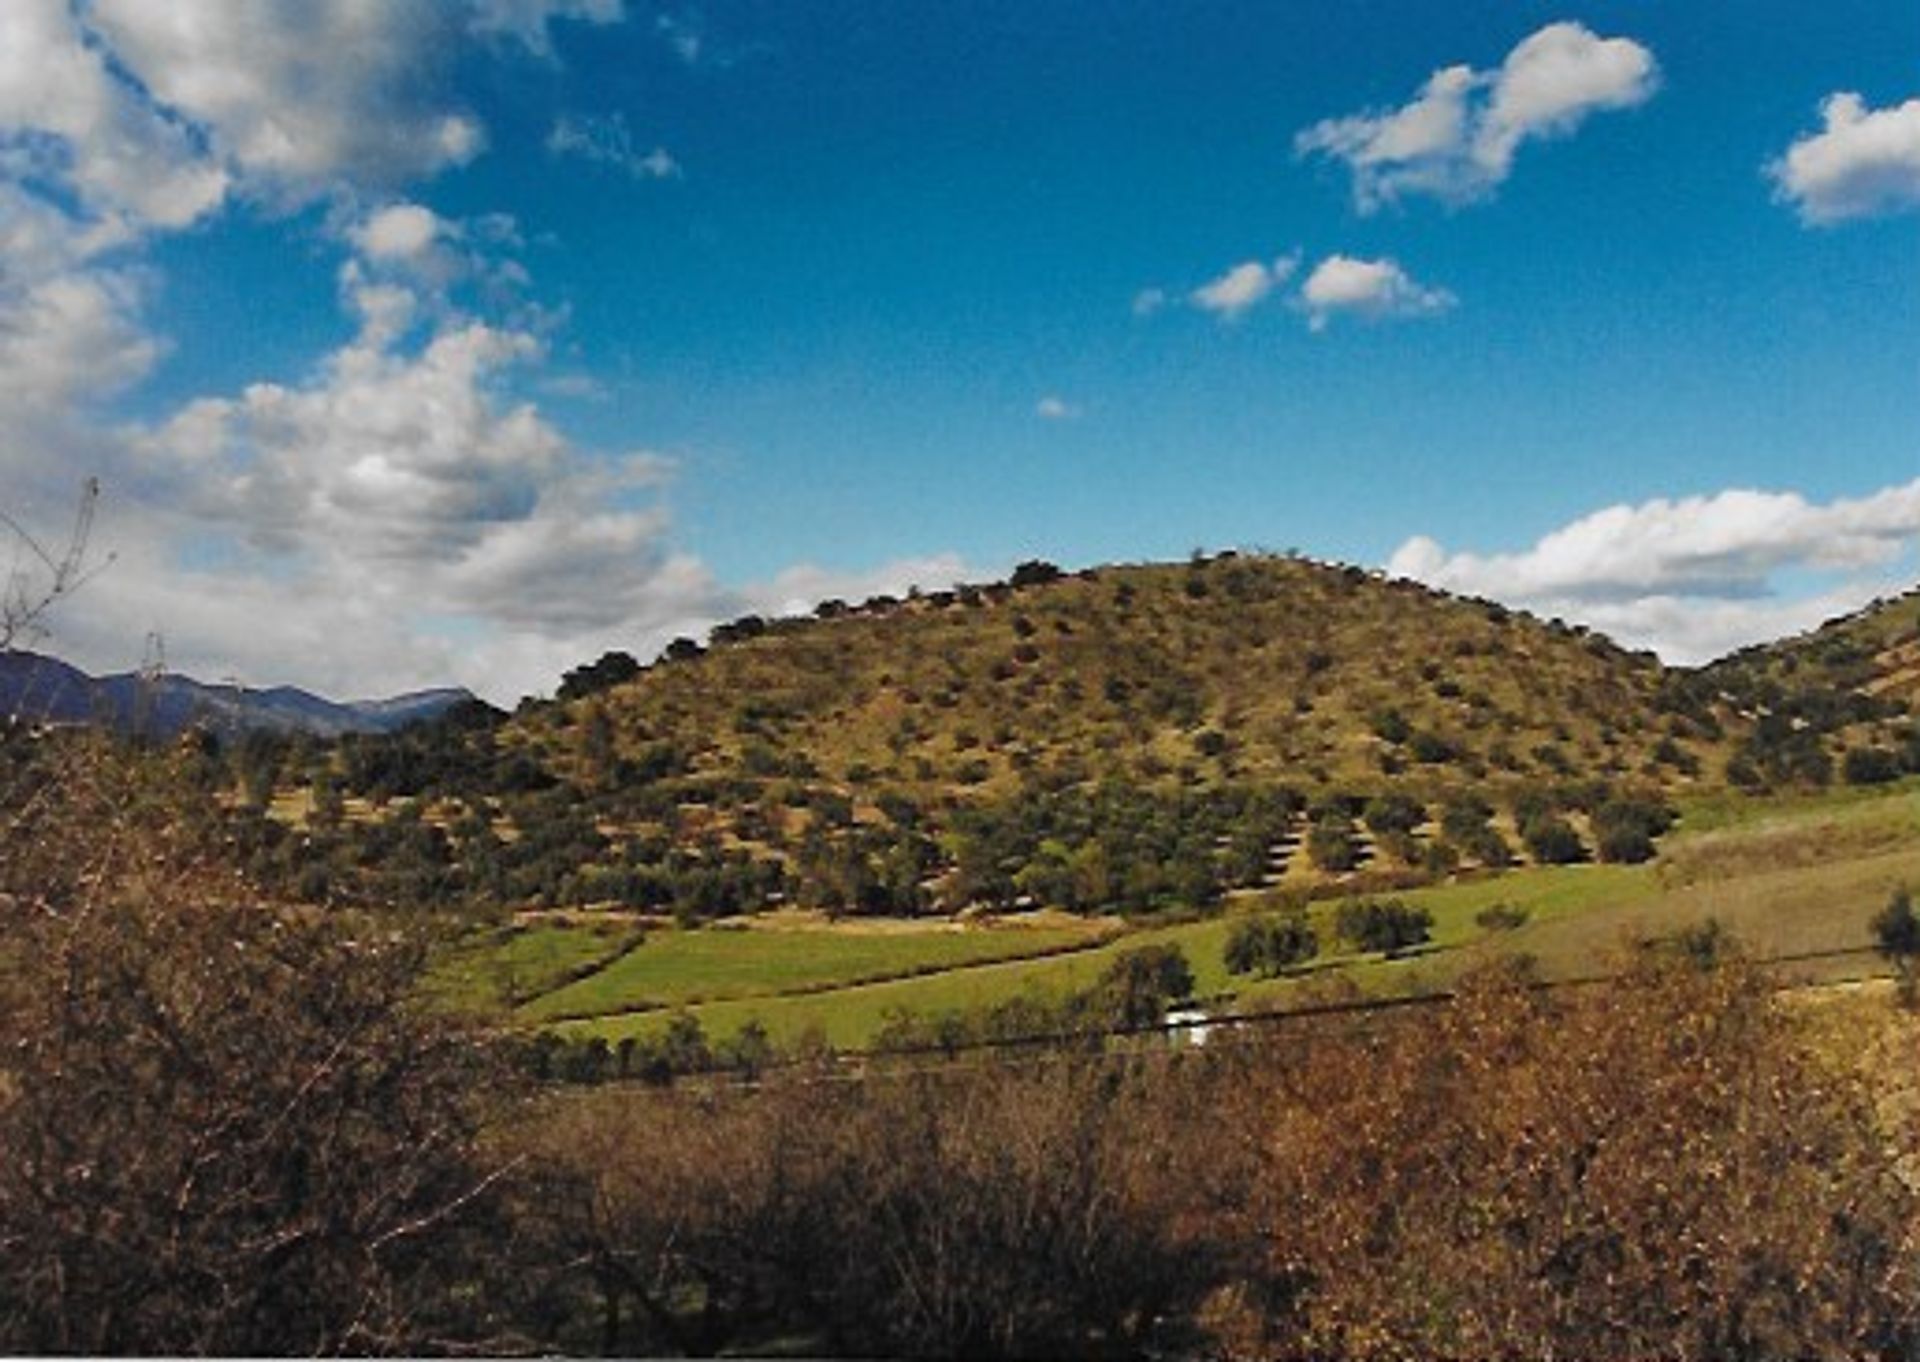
<point>457,342</point>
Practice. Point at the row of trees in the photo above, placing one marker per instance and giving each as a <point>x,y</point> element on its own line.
<point>1110,847</point>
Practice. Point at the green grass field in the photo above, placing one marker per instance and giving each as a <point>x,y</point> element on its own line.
<point>680,968</point>
<point>850,1017</point>
<point>1786,876</point>
<point>488,973</point>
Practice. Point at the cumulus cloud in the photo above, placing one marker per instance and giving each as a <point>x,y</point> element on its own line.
<point>401,231</point>
<point>1372,289</point>
<point>1054,408</point>
<point>1242,287</point>
<point>609,141</point>
<point>401,516</point>
<point>1697,576</point>
<point>121,120</point>
<point>71,120</point>
<point>398,518</point>
<point>1457,138</point>
<point>67,339</point>
<point>403,507</point>
<point>296,96</point>
<point>1863,162</point>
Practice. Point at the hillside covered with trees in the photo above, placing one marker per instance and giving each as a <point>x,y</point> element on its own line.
<point>1138,739</point>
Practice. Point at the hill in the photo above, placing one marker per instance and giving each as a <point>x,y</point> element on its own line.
<point>1140,739</point>
<point>1874,651</point>
<point>45,689</point>
<point>1844,691</point>
<point>1223,669</point>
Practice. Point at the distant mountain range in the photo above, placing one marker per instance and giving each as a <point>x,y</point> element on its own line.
<point>45,689</point>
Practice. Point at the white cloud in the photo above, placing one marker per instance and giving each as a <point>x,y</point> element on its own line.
<point>401,231</point>
<point>608,141</point>
<point>526,21</point>
<point>1366,288</point>
<point>1149,301</point>
<point>400,520</point>
<point>1863,162</point>
<point>1242,287</point>
<point>1694,577</point>
<point>66,339</point>
<point>1456,139</point>
<point>63,110</point>
<point>403,489</point>
<point>411,264</point>
<point>298,95</point>
<point>1053,408</point>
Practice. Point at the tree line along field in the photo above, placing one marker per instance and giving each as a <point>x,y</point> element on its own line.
<point>1787,877</point>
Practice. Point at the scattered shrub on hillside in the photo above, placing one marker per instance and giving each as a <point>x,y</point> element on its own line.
<point>1385,925</point>
<point>1870,766</point>
<point>1431,748</point>
<point>1332,847</point>
<point>1896,932</point>
<point>1394,812</point>
<point>1501,917</point>
<point>1404,847</point>
<point>610,670</point>
<point>1268,946</point>
<point>1625,829</point>
<point>1551,840</point>
<point>1034,572</point>
<point>1138,987</point>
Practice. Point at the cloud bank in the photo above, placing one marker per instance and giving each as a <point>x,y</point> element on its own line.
<point>1696,577</point>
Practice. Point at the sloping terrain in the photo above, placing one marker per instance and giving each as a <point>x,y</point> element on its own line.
<point>1138,739</point>
<point>1874,651</point>
<point>1222,669</point>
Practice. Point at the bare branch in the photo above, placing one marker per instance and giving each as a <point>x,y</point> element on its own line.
<point>31,591</point>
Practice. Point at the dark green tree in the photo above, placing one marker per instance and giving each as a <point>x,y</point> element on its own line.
<point>1896,931</point>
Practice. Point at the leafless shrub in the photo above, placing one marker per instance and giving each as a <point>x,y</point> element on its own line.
<point>222,1128</point>
<point>39,576</point>
<point>1013,1211</point>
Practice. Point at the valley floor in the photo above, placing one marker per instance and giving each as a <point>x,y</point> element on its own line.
<point>1792,877</point>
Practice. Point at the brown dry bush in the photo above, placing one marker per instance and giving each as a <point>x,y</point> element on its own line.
<point>1041,1209</point>
<point>222,1128</point>
<point>1658,1167</point>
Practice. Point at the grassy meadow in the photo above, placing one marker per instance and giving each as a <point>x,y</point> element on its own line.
<point>1786,875</point>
